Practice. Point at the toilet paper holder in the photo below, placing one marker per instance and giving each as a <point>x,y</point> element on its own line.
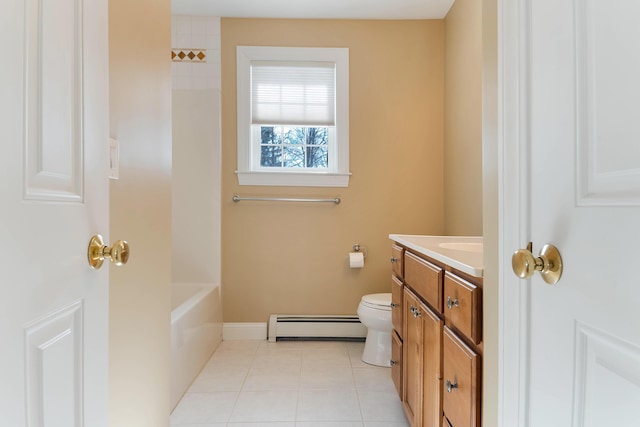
<point>357,248</point>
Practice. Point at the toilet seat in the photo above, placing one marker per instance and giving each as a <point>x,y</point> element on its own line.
<point>377,301</point>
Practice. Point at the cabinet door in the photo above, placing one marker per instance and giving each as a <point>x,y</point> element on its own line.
<point>412,360</point>
<point>461,401</point>
<point>396,305</point>
<point>423,363</point>
<point>432,367</point>
<point>396,362</point>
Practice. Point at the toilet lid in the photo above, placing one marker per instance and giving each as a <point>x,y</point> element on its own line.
<point>383,300</point>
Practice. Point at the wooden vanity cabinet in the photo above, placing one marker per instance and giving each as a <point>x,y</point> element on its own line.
<point>412,361</point>
<point>432,368</point>
<point>461,397</point>
<point>397,298</point>
<point>396,362</point>
<point>397,318</point>
<point>422,366</point>
<point>397,260</point>
<point>439,333</point>
<point>425,278</point>
<point>397,288</point>
<point>463,307</point>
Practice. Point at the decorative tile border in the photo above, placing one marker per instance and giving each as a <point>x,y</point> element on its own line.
<point>188,55</point>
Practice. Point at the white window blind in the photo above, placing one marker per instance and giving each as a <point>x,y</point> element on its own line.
<point>293,93</point>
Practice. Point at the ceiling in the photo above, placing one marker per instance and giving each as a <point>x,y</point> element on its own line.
<point>315,9</point>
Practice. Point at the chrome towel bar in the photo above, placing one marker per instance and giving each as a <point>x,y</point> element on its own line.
<point>237,198</point>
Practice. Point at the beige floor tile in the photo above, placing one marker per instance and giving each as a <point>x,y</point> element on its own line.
<point>263,424</point>
<point>259,406</point>
<point>290,384</point>
<point>272,381</point>
<point>329,424</point>
<point>328,405</point>
<point>200,425</point>
<point>204,408</point>
<point>381,406</point>
<point>373,378</point>
<point>327,377</point>
<point>219,380</point>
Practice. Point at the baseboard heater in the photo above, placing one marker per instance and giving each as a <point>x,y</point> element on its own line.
<point>316,327</point>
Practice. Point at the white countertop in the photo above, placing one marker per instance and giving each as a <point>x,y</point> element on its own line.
<point>463,253</point>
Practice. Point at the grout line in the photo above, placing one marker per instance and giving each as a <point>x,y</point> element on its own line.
<point>355,385</point>
<point>295,417</point>
<point>242,384</point>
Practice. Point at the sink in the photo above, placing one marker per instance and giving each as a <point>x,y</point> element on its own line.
<point>462,246</point>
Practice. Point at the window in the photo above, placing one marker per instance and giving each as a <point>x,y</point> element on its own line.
<point>293,116</point>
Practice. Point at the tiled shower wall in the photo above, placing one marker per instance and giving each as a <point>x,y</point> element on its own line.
<point>198,37</point>
<point>196,149</point>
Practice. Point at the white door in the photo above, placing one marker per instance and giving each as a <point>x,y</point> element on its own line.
<point>53,198</point>
<point>576,64</point>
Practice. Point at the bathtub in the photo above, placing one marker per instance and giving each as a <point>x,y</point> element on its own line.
<point>196,331</point>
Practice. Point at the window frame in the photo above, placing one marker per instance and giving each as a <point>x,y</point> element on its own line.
<point>250,173</point>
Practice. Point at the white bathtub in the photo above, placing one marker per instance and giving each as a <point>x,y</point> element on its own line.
<point>196,331</point>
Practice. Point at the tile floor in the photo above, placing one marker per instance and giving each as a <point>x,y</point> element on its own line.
<point>287,384</point>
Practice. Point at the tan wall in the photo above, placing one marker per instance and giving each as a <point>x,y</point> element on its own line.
<point>292,258</point>
<point>463,119</point>
<point>140,90</point>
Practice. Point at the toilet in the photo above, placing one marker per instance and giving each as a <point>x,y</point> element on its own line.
<point>374,312</point>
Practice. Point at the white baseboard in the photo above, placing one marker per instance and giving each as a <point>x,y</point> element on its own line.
<point>244,331</point>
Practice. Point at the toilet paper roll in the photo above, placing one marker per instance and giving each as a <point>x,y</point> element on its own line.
<point>356,259</point>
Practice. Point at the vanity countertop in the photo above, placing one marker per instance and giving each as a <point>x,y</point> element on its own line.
<point>463,253</point>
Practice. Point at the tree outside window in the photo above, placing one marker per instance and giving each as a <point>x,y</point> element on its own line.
<point>294,147</point>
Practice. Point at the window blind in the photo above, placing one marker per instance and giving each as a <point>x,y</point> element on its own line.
<point>293,93</point>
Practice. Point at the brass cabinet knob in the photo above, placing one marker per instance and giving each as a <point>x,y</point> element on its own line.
<point>549,263</point>
<point>118,253</point>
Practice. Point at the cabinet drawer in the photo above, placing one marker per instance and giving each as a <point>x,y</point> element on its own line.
<point>461,396</point>
<point>396,363</point>
<point>397,260</point>
<point>396,305</point>
<point>463,306</point>
<point>425,278</point>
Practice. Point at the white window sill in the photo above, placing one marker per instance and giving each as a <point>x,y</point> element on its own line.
<point>294,179</point>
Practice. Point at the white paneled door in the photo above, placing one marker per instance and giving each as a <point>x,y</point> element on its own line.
<point>53,197</point>
<point>571,73</point>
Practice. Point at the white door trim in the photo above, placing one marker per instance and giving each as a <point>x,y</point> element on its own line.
<point>514,210</point>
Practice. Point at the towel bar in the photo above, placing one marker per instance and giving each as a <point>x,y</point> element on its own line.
<point>237,198</point>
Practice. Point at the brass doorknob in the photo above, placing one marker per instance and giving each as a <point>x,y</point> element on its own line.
<point>549,263</point>
<point>118,253</point>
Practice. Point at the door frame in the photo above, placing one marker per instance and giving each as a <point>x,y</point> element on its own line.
<point>514,191</point>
